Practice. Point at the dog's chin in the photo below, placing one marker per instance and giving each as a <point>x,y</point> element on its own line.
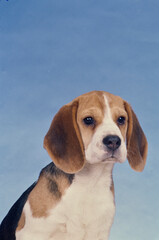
<point>105,158</point>
<point>111,159</point>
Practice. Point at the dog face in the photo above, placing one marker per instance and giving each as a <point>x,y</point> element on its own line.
<point>96,127</point>
<point>103,129</point>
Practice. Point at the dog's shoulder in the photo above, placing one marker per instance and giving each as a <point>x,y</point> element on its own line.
<point>51,180</point>
<point>49,189</point>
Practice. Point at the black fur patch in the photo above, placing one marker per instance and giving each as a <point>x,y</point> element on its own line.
<point>53,188</point>
<point>10,222</point>
<point>52,170</point>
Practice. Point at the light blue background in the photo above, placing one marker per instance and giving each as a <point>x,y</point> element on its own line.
<point>52,51</point>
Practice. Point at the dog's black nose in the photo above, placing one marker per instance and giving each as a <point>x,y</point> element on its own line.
<point>112,142</point>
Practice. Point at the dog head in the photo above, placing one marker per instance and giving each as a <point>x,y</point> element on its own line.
<point>96,127</point>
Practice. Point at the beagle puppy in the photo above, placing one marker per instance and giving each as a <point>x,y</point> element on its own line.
<point>73,198</point>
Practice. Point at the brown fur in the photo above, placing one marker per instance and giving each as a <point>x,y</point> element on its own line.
<point>132,132</point>
<point>47,193</point>
<point>137,145</point>
<point>21,222</point>
<point>41,199</point>
<point>93,108</point>
<point>117,106</point>
<point>63,140</point>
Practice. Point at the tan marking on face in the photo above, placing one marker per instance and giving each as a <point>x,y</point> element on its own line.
<point>44,196</point>
<point>90,105</point>
<point>117,108</point>
<point>21,222</point>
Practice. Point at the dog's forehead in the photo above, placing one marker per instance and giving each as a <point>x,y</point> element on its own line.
<point>91,100</point>
<point>114,101</point>
<point>99,100</point>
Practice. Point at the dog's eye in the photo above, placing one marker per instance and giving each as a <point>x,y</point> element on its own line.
<point>89,121</point>
<point>121,120</point>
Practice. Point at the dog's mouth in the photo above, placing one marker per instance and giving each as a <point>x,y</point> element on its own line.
<point>112,158</point>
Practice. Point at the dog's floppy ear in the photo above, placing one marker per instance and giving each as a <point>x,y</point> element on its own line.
<point>63,141</point>
<point>137,145</point>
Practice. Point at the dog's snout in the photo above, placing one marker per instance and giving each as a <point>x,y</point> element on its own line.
<point>112,142</point>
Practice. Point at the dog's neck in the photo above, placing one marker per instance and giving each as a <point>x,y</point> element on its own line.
<point>95,174</point>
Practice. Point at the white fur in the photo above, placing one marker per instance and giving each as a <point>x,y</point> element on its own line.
<point>85,212</point>
<point>87,209</point>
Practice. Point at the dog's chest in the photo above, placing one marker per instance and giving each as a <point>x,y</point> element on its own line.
<point>84,212</point>
<point>87,208</point>
<point>87,199</point>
